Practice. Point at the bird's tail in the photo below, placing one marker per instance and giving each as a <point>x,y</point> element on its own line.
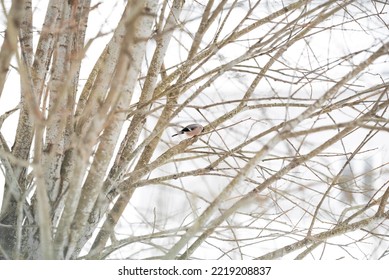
<point>177,134</point>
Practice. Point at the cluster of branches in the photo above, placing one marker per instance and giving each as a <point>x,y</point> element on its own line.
<point>83,151</point>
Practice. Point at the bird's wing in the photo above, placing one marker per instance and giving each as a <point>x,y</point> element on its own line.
<point>190,127</point>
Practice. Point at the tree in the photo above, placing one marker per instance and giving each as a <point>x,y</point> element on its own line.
<point>291,162</point>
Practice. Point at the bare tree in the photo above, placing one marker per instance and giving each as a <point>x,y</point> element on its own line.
<point>292,162</point>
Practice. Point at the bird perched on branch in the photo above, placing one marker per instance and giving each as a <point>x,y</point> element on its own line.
<point>191,130</point>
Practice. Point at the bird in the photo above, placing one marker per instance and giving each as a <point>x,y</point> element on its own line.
<point>191,130</point>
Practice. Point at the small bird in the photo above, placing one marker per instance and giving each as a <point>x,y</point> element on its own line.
<point>191,130</point>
